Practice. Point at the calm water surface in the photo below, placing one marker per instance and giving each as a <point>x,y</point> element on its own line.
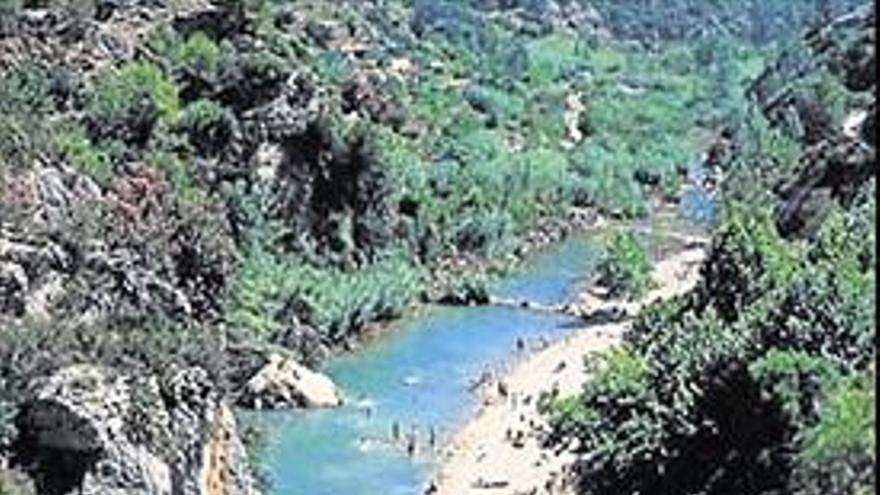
<point>417,376</point>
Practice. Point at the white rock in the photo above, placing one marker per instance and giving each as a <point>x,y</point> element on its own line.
<point>285,383</point>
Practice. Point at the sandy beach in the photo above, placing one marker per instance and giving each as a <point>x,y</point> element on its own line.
<point>498,450</point>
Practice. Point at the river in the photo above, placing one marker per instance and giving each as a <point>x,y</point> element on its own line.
<point>416,376</point>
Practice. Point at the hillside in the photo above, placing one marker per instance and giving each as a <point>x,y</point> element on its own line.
<point>189,187</point>
<point>762,379</point>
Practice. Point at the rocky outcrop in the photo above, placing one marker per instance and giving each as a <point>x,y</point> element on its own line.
<point>845,47</point>
<point>91,432</point>
<point>551,15</point>
<point>843,157</point>
<point>839,150</point>
<point>284,383</point>
<point>86,35</point>
<point>143,261</point>
<point>835,169</point>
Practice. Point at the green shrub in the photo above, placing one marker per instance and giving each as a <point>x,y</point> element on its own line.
<point>261,284</point>
<point>129,103</point>
<point>625,268</point>
<point>333,67</point>
<point>209,126</point>
<point>79,150</point>
<point>534,181</point>
<point>26,101</point>
<point>748,258</point>
<point>796,380</point>
<point>617,417</point>
<point>337,302</point>
<point>343,302</point>
<point>817,313</point>
<point>501,106</point>
<point>551,58</point>
<point>839,453</point>
<point>767,156</point>
<point>199,57</point>
<point>485,231</point>
<point>606,178</point>
<point>176,173</point>
<point>464,288</point>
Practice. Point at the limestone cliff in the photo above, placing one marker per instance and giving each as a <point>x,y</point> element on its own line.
<point>89,431</point>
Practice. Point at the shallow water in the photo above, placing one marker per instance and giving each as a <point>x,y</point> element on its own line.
<point>417,376</point>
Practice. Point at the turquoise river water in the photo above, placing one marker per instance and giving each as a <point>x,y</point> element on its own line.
<point>417,376</point>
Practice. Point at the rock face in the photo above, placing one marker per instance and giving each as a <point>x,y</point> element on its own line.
<point>89,432</point>
<point>549,15</point>
<point>839,150</point>
<point>284,383</point>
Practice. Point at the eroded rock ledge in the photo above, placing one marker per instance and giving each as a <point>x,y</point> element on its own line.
<point>90,431</point>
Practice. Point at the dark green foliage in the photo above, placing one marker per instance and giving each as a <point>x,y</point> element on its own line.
<point>76,147</point>
<point>209,127</point>
<point>730,388</point>
<point>741,385</point>
<point>747,260</point>
<point>197,63</point>
<point>839,453</point>
<point>625,268</point>
<point>758,21</point>
<point>796,380</point>
<point>28,96</point>
<point>128,104</point>
<point>766,157</point>
<point>500,106</point>
<point>336,302</point>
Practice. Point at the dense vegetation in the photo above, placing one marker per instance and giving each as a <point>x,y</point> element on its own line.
<point>194,183</point>
<point>625,266</point>
<point>250,174</point>
<point>762,380</point>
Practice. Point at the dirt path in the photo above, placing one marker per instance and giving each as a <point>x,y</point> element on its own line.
<point>497,452</point>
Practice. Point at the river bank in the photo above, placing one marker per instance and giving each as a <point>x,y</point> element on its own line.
<point>498,449</point>
<point>462,279</point>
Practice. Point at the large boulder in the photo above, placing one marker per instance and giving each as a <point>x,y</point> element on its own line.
<point>91,432</point>
<point>284,383</point>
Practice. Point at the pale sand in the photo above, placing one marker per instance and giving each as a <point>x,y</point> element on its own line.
<point>480,458</point>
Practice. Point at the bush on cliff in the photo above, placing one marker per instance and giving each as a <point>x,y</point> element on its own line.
<point>838,454</point>
<point>129,103</point>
